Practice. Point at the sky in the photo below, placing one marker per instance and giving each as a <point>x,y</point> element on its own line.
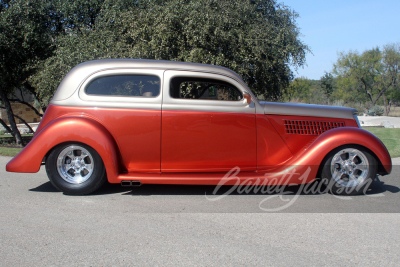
<point>330,27</point>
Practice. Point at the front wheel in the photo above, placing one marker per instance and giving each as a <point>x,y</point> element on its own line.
<point>75,169</point>
<point>349,170</point>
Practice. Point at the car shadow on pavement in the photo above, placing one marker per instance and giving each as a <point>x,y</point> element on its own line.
<point>46,187</point>
<point>377,187</point>
<point>105,189</point>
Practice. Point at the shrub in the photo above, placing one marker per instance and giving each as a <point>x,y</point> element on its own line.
<point>338,103</point>
<point>375,111</point>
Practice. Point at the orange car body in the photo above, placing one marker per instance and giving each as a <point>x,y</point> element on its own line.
<point>172,142</point>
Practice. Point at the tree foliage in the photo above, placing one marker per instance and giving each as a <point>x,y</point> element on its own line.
<point>327,84</point>
<point>23,42</point>
<point>42,40</point>
<point>369,75</point>
<point>258,39</point>
<point>304,90</point>
<point>361,81</point>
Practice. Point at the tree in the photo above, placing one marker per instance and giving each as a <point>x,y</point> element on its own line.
<point>23,42</point>
<point>388,82</point>
<point>372,73</point>
<point>327,84</point>
<point>304,90</point>
<point>298,90</point>
<point>258,39</point>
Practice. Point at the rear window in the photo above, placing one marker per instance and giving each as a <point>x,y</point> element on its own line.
<point>125,85</point>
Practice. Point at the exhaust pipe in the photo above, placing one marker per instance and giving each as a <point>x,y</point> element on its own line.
<point>131,183</point>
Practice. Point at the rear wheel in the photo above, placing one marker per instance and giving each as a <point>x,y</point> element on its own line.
<point>75,169</point>
<point>350,170</point>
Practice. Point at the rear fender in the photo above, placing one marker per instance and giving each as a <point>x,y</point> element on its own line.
<point>68,129</point>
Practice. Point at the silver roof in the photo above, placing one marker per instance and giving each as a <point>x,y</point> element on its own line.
<point>81,72</point>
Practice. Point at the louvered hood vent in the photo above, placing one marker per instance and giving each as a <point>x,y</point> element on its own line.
<point>310,127</point>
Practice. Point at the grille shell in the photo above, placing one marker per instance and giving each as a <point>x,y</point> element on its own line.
<point>305,127</point>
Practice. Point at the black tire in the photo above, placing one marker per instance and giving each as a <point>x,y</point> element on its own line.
<point>75,169</point>
<point>340,175</point>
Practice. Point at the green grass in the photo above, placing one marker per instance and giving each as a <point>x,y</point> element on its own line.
<point>10,136</point>
<point>9,151</point>
<point>390,137</point>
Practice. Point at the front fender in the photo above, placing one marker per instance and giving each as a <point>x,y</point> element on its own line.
<point>334,138</point>
<point>68,129</point>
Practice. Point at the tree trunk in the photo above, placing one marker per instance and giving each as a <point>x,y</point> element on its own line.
<point>390,106</point>
<point>368,93</point>
<point>32,90</point>
<point>6,127</point>
<point>24,122</point>
<point>385,104</point>
<point>10,114</point>
<point>27,104</point>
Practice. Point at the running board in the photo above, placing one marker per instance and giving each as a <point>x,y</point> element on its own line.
<point>299,175</point>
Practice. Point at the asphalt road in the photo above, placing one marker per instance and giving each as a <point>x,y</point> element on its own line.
<point>157,225</point>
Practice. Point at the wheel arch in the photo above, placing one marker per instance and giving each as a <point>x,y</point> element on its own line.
<point>338,138</point>
<point>381,169</point>
<point>69,130</point>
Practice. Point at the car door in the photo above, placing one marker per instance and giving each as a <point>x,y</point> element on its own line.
<point>128,103</point>
<point>207,124</point>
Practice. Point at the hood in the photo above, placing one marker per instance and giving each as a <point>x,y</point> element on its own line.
<point>308,110</point>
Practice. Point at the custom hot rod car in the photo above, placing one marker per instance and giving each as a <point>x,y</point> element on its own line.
<point>158,122</point>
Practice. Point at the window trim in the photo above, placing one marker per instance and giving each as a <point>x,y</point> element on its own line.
<point>124,75</point>
<point>121,99</point>
<point>204,78</point>
<point>204,105</point>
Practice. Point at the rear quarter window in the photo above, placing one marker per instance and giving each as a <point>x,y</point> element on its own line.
<point>125,85</point>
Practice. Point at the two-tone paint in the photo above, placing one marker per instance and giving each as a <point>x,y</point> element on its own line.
<point>165,140</point>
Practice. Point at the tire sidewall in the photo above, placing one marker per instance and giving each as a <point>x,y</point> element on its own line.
<point>96,179</point>
<point>339,189</point>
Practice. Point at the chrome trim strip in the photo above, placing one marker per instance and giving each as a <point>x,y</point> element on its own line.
<point>93,104</point>
<point>208,108</point>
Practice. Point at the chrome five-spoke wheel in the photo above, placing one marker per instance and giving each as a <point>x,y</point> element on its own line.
<point>75,169</point>
<point>75,164</point>
<point>350,170</point>
<point>349,167</point>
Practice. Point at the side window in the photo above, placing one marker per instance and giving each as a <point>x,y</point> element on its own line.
<point>125,85</point>
<point>201,88</point>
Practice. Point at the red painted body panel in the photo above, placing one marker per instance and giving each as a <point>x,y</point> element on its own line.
<point>207,141</point>
<point>271,149</point>
<point>275,159</point>
<point>299,142</point>
<point>334,138</point>
<point>300,169</point>
<point>84,130</point>
<point>136,132</point>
